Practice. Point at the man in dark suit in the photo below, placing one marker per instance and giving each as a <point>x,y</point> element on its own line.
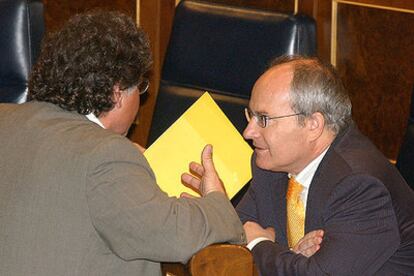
<point>315,175</point>
<point>76,196</point>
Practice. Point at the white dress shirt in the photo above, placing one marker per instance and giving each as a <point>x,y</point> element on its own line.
<point>91,117</point>
<point>306,175</point>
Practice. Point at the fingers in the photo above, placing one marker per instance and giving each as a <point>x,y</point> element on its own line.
<point>196,168</point>
<point>308,252</point>
<point>190,180</point>
<point>193,179</point>
<point>314,234</point>
<point>310,243</point>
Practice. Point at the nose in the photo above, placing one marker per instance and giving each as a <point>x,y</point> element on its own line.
<point>251,131</point>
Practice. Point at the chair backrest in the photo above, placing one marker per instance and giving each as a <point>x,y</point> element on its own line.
<point>21,32</point>
<point>405,160</point>
<point>216,259</point>
<point>223,49</point>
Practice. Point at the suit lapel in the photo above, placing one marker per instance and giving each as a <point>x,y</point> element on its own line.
<point>278,189</point>
<point>323,183</point>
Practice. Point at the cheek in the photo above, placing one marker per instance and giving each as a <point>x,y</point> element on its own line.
<point>282,148</point>
<point>135,105</point>
<point>275,142</point>
<point>136,108</point>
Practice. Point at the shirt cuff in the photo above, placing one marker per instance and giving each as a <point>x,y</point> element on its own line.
<point>253,243</point>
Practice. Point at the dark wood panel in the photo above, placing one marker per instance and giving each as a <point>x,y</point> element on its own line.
<point>321,11</point>
<point>375,50</point>
<point>58,11</point>
<point>401,4</point>
<point>156,18</point>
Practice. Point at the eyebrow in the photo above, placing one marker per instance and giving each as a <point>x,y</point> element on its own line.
<point>259,112</point>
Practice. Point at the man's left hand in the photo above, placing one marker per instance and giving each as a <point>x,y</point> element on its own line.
<point>309,244</point>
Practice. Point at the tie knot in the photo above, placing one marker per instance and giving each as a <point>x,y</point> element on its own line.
<point>294,188</point>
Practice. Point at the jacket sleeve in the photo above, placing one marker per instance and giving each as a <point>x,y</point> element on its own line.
<point>361,233</point>
<point>253,207</point>
<point>137,220</point>
<point>247,208</point>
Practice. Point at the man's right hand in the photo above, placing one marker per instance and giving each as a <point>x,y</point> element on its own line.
<point>204,177</point>
<point>309,244</point>
<point>254,230</point>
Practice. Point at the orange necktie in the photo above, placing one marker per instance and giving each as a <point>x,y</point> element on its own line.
<point>295,212</point>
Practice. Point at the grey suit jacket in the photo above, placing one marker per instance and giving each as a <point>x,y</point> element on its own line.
<point>359,199</point>
<point>76,199</point>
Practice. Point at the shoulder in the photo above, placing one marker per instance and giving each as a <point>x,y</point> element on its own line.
<point>354,154</point>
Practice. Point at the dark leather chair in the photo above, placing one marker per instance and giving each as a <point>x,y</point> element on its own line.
<point>405,160</point>
<point>21,32</point>
<point>223,49</point>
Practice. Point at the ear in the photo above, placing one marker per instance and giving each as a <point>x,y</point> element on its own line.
<point>316,125</point>
<point>117,96</point>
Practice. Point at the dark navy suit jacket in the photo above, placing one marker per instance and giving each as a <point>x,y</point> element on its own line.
<point>359,199</point>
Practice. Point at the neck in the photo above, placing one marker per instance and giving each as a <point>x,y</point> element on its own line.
<point>104,120</point>
<point>315,149</point>
<point>323,143</point>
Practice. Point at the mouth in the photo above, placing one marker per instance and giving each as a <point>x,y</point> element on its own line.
<point>259,149</point>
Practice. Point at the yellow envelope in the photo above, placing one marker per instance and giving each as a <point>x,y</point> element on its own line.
<point>203,123</point>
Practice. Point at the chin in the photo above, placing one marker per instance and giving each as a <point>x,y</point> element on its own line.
<point>262,164</point>
<point>268,166</point>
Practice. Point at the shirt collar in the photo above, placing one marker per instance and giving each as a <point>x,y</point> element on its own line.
<point>91,117</point>
<point>306,175</point>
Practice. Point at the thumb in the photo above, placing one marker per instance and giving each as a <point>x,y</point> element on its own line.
<point>210,180</point>
<point>207,159</point>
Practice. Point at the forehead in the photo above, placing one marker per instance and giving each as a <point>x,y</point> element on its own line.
<point>271,91</point>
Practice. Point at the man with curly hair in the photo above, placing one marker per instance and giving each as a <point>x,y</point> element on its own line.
<point>76,196</point>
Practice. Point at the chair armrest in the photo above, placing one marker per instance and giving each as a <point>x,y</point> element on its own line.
<point>216,259</point>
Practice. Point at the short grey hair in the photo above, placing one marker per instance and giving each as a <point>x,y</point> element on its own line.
<point>316,87</point>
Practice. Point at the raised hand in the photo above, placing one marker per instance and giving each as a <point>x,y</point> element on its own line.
<point>204,177</point>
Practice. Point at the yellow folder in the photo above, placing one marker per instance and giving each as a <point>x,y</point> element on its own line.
<point>203,123</point>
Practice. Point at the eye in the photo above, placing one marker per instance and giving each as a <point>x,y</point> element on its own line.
<point>263,120</point>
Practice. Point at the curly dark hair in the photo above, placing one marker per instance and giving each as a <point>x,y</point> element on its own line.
<point>80,64</point>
